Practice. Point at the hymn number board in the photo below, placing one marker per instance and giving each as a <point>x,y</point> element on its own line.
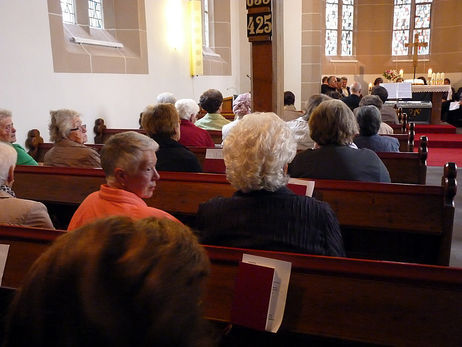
<point>259,20</point>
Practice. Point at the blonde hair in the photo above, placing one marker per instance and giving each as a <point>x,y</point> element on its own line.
<point>256,151</point>
<point>332,122</point>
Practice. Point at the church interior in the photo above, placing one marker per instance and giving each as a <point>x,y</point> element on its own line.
<point>112,64</point>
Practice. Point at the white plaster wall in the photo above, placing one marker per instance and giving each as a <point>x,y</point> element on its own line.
<point>30,88</point>
<point>293,48</point>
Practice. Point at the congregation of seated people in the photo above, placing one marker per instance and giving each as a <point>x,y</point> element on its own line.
<point>129,250</point>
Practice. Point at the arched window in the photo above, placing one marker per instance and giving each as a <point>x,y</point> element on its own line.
<point>68,10</point>
<point>95,13</point>
<point>339,27</point>
<point>411,16</point>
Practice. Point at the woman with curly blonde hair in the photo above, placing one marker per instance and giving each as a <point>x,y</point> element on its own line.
<point>264,213</point>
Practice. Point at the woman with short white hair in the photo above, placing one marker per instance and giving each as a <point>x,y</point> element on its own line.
<point>241,107</point>
<point>264,213</point>
<point>190,134</point>
<point>69,135</point>
<point>12,209</point>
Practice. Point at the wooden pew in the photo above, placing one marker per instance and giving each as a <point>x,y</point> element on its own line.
<point>348,299</point>
<point>398,222</point>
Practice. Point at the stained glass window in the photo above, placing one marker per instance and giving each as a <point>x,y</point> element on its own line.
<point>411,16</point>
<point>95,13</point>
<point>68,11</point>
<point>339,28</point>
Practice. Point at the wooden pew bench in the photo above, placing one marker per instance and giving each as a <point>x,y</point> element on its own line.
<point>398,222</point>
<point>347,299</point>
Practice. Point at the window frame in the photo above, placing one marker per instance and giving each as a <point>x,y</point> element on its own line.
<point>339,29</point>
<point>412,29</point>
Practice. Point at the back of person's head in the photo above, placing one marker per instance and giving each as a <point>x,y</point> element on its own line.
<point>333,123</point>
<point>160,120</point>
<point>371,100</point>
<point>377,81</point>
<point>166,98</point>
<point>256,152</point>
<point>114,282</point>
<point>242,105</point>
<point>334,94</point>
<point>211,100</point>
<point>369,120</point>
<point>324,79</point>
<point>355,87</point>
<point>381,92</point>
<point>8,158</point>
<point>314,102</point>
<point>61,123</point>
<point>186,108</point>
<point>125,151</point>
<point>447,81</point>
<point>289,98</point>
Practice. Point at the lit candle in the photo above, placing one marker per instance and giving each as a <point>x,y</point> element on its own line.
<point>370,87</point>
<point>401,73</point>
<point>430,73</point>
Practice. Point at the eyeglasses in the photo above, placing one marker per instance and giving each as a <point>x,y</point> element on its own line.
<point>80,127</point>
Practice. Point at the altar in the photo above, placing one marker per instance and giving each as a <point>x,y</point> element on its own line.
<point>418,107</point>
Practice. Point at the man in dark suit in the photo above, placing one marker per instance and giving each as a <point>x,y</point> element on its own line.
<point>331,85</point>
<point>353,99</point>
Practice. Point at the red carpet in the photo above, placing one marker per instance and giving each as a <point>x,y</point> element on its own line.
<point>440,140</point>
<point>440,156</point>
<point>439,129</point>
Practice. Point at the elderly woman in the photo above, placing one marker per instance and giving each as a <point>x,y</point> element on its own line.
<point>300,127</point>
<point>162,123</point>
<point>115,282</point>
<point>69,135</point>
<point>211,101</point>
<point>241,106</point>
<point>129,162</point>
<point>377,102</point>
<point>264,213</point>
<point>190,134</point>
<point>333,127</point>
<point>369,120</point>
<point>14,210</point>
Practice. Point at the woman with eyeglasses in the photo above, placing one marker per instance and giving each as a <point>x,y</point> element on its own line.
<point>69,135</point>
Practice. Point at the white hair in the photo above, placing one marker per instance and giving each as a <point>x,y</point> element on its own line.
<point>256,151</point>
<point>8,157</point>
<point>166,98</point>
<point>62,121</point>
<point>186,108</point>
<point>4,114</point>
<point>355,87</point>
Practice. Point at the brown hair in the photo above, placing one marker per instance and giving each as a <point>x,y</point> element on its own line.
<point>332,122</point>
<point>115,282</point>
<point>160,120</point>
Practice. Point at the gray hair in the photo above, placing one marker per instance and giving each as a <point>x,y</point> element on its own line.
<point>371,100</point>
<point>166,98</point>
<point>314,102</point>
<point>4,114</point>
<point>186,108</point>
<point>62,121</point>
<point>355,87</point>
<point>369,120</point>
<point>125,150</point>
<point>256,152</point>
<point>8,157</point>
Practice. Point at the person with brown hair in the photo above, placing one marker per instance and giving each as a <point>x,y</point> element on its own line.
<point>162,123</point>
<point>333,127</point>
<point>114,282</point>
<point>211,101</point>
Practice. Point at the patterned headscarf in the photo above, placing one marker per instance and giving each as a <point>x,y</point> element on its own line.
<point>242,104</point>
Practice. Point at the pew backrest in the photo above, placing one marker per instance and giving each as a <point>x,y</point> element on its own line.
<point>357,300</point>
<point>385,221</point>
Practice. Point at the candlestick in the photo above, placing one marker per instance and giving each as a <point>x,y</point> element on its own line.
<point>430,73</point>
<point>370,88</point>
<point>433,78</point>
<point>401,73</point>
<point>442,77</point>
